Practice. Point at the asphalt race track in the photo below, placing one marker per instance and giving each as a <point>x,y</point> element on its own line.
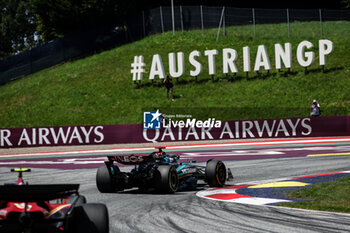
<point>132,211</point>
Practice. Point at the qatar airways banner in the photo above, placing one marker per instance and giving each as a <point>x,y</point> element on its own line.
<point>136,133</point>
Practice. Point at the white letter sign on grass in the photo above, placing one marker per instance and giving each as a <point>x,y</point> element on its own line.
<point>262,59</point>
<point>211,60</point>
<point>137,68</point>
<point>229,57</point>
<point>283,58</point>
<point>325,48</point>
<point>195,63</point>
<point>305,59</point>
<point>157,67</point>
<point>283,55</point>
<point>246,59</point>
<point>180,64</point>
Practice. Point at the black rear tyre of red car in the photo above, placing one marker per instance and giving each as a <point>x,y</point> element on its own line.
<point>166,179</point>
<point>90,218</point>
<point>81,200</point>
<point>104,181</point>
<point>215,173</point>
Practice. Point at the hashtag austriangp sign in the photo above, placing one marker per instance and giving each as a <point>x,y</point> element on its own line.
<point>283,57</point>
<point>174,131</point>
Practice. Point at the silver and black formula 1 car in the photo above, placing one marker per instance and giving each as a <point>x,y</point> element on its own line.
<point>50,208</point>
<point>158,171</point>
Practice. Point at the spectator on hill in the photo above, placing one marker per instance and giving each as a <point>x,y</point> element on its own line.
<point>169,87</point>
<point>315,109</point>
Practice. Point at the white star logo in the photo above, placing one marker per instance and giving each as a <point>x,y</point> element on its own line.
<point>156,115</point>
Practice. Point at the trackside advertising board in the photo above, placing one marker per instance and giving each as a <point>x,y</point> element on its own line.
<point>168,131</point>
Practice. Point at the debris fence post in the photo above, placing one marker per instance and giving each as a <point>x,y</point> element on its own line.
<point>172,16</point>
<point>224,22</point>
<point>320,13</point>
<point>202,19</point>
<point>143,24</point>
<point>288,22</point>
<point>161,19</point>
<point>182,22</point>
<point>221,18</point>
<point>253,11</point>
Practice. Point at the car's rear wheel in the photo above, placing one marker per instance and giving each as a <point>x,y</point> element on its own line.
<point>81,200</point>
<point>104,180</point>
<point>90,218</point>
<point>166,178</point>
<point>215,173</point>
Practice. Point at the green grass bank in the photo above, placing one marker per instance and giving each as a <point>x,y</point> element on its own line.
<point>331,196</point>
<point>99,89</point>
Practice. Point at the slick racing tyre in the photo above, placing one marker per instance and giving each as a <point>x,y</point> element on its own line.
<point>90,218</point>
<point>167,180</point>
<point>104,181</point>
<point>215,173</point>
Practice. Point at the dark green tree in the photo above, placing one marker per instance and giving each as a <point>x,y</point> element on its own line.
<point>346,3</point>
<point>17,27</point>
<point>57,18</point>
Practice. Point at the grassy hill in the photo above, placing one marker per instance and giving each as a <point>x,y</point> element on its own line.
<point>99,88</point>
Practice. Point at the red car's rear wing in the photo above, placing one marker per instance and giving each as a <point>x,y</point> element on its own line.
<point>34,193</point>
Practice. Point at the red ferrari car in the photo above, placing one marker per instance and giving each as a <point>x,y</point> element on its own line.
<point>48,208</point>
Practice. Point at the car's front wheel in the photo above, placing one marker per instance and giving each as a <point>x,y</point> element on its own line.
<point>215,173</point>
